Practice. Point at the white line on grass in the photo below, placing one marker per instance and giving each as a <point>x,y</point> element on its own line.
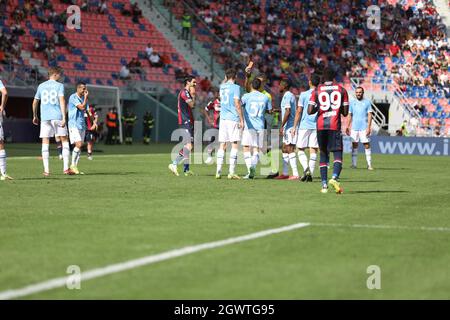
<point>374,226</point>
<point>132,264</point>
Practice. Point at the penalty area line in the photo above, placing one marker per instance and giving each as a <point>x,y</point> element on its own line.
<point>144,261</point>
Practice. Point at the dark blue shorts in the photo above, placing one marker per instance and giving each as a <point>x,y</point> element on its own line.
<point>330,140</point>
<point>189,128</point>
<point>91,136</point>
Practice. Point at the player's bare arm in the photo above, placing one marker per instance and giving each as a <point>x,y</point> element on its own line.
<point>369,124</point>
<point>349,126</point>
<point>4,99</point>
<point>248,74</point>
<point>62,105</point>
<point>285,119</point>
<point>35,107</point>
<point>207,117</point>
<point>313,108</point>
<point>238,106</point>
<point>298,114</point>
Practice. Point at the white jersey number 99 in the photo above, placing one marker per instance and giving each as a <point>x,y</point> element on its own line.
<point>328,101</point>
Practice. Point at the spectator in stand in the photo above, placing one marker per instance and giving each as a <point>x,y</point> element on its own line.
<point>102,7</point>
<point>155,60</point>
<point>186,25</point>
<point>394,49</point>
<point>136,13</point>
<point>84,6</point>
<point>124,73</point>
<point>149,50</point>
<point>205,84</point>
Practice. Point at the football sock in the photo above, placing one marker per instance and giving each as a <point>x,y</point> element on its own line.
<point>337,165</point>
<point>324,157</point>
<point>285,164</point>
<point>45,156</point>
<point>293,163</point>
<point>59,148</point>
<point>248,159</point>
<point>66,154</point>
<point>369,157</point>
<point>3,162</point>
<point>220,157</point>
<point>233,159</point>
<point>312,163</point>
<point>75,156</point>
<point>303,159</point>
<point>355,156</point>
<point>255,159</point>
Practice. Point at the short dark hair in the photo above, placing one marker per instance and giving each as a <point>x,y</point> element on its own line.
<point>287,83</point>
<point>359,87</point>
<point>188,79</point>
<point>230,73</point>
<point>256,83</point>
<point>262,76</point>
<point>328,74</point>
<point>81,83</point>
<point>315,80</point>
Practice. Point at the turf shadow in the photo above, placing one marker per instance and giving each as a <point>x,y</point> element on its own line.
<point>376,191</point>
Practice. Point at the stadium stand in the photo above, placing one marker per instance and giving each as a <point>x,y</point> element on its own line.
<point>96,53</point>
<point>294,38</point>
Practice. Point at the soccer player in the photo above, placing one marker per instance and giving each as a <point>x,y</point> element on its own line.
<point>231,123</point>
<point>53,117</point>
<point>186,102</point>
<point>288,112</point>
<point>78,103</point>
<point>3,175</point>
<point>91,117</point>
<point>255,105</point>
<point>330,100</point>
<point>360,126</point>
<point>214,106</point>
<point>307,132</point>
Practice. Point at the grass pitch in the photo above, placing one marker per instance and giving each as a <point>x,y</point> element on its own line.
<point>128,206</point>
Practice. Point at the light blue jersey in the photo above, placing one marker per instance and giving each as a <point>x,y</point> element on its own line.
<point>76,116</point>
<point>308,121</point>
<point>229,92</point>
<point>360,110</point>
<point>49,93</point>
<point>255,105</point>
<point>288,102</point>
<point>1,85</point>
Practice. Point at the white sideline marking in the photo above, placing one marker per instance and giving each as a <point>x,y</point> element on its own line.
<point>374,226</point>
<point>132,264</point>
<point>36,157</point>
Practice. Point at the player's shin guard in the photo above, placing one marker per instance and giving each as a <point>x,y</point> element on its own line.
<point>220,159</point>
<point>324,158</point>
<point>45,157</point>
<point>303,159</point>
<point>3,162</point>
<point>186,157</point>
<point>337,165</point>
<point>248,159</point>
<point>312,163</point>
<point>75,156</point>
<point>369,157</point>
<point>66,155</point>
<point>354,156</point>
<point>233,160</point>
<point>285,164</point>
<point>293,163</point>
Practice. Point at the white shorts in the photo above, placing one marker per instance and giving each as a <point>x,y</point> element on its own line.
<point>253,138</point>
<point>307,138</point>
<point>359,136</point>
<point>51,128</point>
<point>229,131</point>
<point>76,135</point>
<point>288,138</point>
